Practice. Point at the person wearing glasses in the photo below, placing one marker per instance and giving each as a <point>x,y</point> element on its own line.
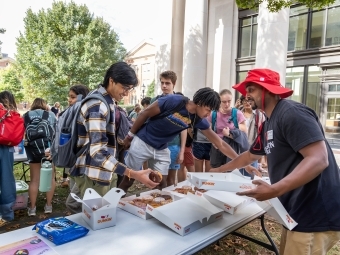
<point>96,166</point>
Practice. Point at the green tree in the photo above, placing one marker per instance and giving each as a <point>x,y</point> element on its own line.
<point>2,31</point>
<point>151,90</point>
<point>9,80</point>
<point>277,5</point>
<point>62,46</point>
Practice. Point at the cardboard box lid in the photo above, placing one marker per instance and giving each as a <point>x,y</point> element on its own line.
<point>112,197</point>
<point>188,210</point>
<point>227,197</point>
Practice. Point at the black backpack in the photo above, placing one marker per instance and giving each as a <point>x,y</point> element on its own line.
<point>39,133</point>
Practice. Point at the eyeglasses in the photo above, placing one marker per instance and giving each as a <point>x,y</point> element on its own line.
<point>245,101</point>
<point>127,88</point>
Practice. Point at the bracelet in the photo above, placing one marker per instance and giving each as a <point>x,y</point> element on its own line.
<point>131,134</point>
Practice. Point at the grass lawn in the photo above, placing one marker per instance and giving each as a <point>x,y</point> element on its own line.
<point>228,245</point>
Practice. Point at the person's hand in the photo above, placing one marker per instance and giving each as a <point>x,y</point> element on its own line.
<point>180,158</point>
<point>226,131</point>
<point>48,154</point>
<point>252,170</point>
<point>237,103</point>
<point>127,142</point>
<point>263,191</point>
<point>143,177</point>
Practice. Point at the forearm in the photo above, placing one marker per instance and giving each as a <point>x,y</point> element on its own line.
<point>184,134</point>
<point>138,123</point>
<point>308,169</point>
<point>240,161</point>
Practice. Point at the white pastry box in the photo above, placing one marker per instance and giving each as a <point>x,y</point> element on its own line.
<point>228,201</point>
<point>125,203</point>
<point>100,212</point>
<point>172,188</point>
<point>221,181</point>
<point>187,214</point>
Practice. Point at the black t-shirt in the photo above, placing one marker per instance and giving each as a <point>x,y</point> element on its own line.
<point>291,127</point>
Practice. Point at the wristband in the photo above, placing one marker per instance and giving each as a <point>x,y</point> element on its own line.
<point>129,137</point>
<point>131,134</point>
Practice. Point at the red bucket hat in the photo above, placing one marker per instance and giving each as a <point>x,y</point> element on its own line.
<point>268,79</point>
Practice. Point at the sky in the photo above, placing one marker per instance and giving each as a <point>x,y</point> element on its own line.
<point>132,20</point>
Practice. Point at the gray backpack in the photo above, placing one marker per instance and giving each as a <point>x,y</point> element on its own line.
<point>66,155</point>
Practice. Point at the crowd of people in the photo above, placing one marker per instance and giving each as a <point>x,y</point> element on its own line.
<point>172,134</point>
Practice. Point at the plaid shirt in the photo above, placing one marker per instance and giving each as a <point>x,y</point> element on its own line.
<point>99,162</point>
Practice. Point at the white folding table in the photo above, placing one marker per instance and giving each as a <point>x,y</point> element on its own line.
<point>133,235</point>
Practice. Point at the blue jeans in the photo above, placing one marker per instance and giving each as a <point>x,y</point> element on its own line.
<point>7,183</point>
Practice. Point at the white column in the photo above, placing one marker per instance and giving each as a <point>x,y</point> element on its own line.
<point>195,46</point>
<point>272,40</point>
<point>177,35</point>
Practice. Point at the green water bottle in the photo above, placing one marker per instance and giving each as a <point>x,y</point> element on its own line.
<point>45,177</point>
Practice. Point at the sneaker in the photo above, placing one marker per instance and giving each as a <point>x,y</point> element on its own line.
<point>31,212</point>
<point>48,209</point>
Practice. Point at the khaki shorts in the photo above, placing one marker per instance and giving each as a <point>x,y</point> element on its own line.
<point>83,182</point>
<point>140,152</point>
<point>302,243</point>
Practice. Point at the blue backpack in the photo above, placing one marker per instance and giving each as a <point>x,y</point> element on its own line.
<point>233,118</point>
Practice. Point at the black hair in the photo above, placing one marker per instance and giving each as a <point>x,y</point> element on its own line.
<point>80,89</point>
<point>7,99</point>
<point>207,97</point>
<point>146,101</point>
<point>122,73</point>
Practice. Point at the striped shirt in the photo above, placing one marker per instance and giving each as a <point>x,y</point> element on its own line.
<point>99,162</point>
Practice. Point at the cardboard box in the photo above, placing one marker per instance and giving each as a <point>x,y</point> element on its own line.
<point>139,212</point>
<point>276,209</point>
<point>221,181</point>
<point>228,201</point>
<point>104,215</point>
<point>179,185</point>
<point>22,195</point>
<point>187,214</point>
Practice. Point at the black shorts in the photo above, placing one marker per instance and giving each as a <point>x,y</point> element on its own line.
<point>32,158</point>
<point>201,151</point>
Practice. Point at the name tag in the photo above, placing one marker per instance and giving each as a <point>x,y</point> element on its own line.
<point>270,135</point>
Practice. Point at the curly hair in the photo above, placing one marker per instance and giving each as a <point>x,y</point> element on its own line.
<point>207,97</point>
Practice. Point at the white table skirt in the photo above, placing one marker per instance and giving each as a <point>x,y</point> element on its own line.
<point>133,235</point>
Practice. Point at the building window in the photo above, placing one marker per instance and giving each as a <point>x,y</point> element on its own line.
<point>294,81</point>
<point>313,88</point>
<point>310,28</point>
<point>248,36</point>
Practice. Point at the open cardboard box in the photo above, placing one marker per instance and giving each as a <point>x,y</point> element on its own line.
<point>172,188</point>
<point>228,201</point>
<point>187,214</point>
<point>141,213</point>
<point>100,212</point>
<point>275,209</point>
<point>233,182</point>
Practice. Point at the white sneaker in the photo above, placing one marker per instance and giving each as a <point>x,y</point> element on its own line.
<point>48,209</point>
<point>32,211</point>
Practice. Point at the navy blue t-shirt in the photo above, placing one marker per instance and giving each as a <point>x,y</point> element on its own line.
<point>291,127</point>
<point>158,132</point>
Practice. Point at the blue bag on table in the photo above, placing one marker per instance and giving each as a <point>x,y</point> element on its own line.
<point>60,230</point>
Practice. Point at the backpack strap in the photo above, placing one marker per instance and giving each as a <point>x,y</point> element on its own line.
<point>234,116</point>
<point>213,120</point>
<point>45,115</point>
<point>27,119</point>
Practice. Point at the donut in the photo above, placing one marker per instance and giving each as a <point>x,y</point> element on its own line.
<point>141,205</point>
<point>155,194</point>
<point>158,200</point>
<point>155,176</point>
<point>166,197</point>
<point>147,198</point>
<point>166,202</point>
<point>136,200</point>
<point>187,187</point>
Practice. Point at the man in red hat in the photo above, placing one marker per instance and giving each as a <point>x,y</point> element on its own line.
<point>301,165</point>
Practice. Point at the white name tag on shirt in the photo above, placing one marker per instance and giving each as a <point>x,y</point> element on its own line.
<point>269,135</point>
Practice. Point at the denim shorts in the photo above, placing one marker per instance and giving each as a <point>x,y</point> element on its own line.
<point>174,152</point>
<point>201,151</point>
